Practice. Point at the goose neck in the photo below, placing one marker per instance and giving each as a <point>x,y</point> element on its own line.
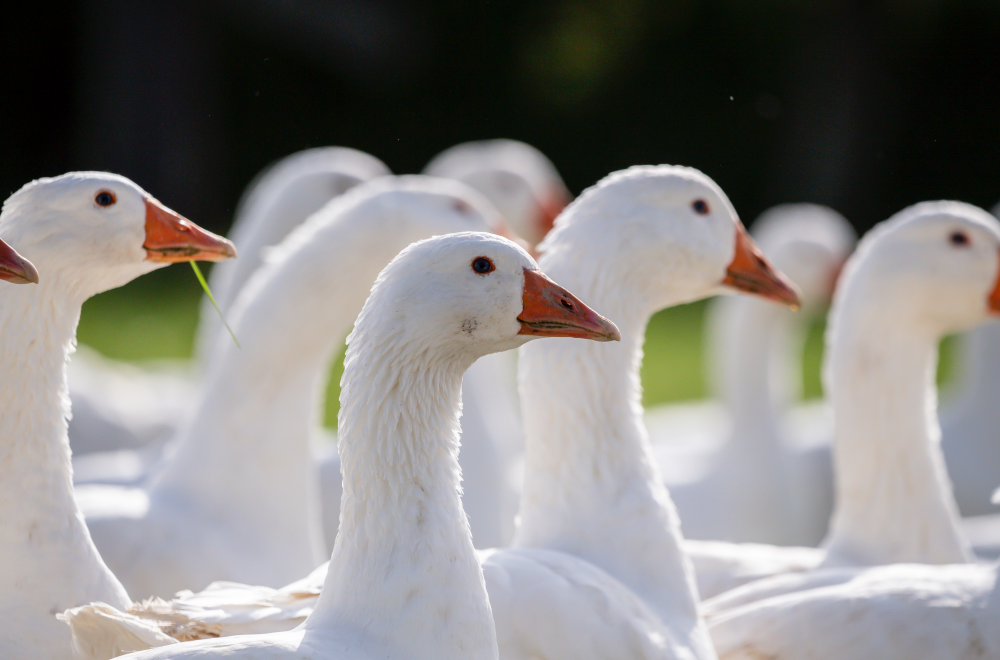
<point>43,537</point>
<point>894,500</point>
<point>403,566</point>
<point>591,486</point>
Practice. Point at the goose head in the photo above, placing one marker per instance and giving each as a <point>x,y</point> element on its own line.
<point>96,231</point>
<point>15,268</point>
<point>810,244</point>
<point>934,266</point>
<point>664,235</point>
<point>471,294</point>
<point>517,178</point>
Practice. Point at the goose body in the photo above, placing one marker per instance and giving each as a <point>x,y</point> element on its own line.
<point>897,612</point>
<point>758,482</point>
<point>120,406</point>
<point>404,580</point>
<point>87,232</point>
<point>206,515</point>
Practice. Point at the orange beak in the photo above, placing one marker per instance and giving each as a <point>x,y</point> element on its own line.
<point>751,272</point>
<point>14,268</point>
<point>172,239</point>
<point>548,310</point>
<point>994,299</point>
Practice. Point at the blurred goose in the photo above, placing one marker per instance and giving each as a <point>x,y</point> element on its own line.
<point>755,481</point>
<point>88,232</point>
<point>404,580</point>
<point>928,271</point>
<point>118,406</point>
<point>238,499</point>
<point>523,184</point>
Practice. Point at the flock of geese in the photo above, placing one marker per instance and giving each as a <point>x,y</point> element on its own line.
<point>200,504</point>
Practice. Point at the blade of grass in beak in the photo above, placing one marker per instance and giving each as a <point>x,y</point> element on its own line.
<point>208,292</point>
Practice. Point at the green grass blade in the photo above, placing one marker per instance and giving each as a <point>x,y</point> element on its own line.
<point>208,292</point>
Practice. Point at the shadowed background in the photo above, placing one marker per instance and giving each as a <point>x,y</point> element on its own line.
<point>863,106</point>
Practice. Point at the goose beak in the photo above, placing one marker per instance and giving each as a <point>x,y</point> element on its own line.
<point>548,310</point>
<point>751,272</point>
<point>14,268</point>
<point>994,300</point>
<point>172,239</point>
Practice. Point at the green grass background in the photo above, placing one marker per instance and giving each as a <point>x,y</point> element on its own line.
<point>155,317</point>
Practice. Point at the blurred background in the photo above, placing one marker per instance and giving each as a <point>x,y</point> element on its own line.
<point>863,106</point>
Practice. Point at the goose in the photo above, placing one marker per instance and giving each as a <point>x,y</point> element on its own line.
<point>238,500</point>
<point>928,271</point>
<point>118,406</point>
<point>404,580</point>
<point>87,232</point>
<point>14,268</point>
<point>519,179</point>
<point>755,481</point>
<point>662,235</point>
<point>559,597</point>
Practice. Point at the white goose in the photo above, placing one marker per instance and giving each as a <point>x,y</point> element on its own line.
<point>639,240</point>
<point>120,406</point>
<point>930,270</point>
<point>894,504</point>
<point>237,500</point>
<point>404,580</point>
<point>87,232</point>
<point>756,480</point>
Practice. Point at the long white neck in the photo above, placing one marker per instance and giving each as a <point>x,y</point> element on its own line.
<point>752,374</point>
<point>894,501</point>
<point>49,561</point>
<point>403,568</point>
<point>262,402</point>
<point>591,486</point>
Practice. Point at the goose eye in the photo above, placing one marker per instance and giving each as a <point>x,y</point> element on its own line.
<point>483,265</point>
<point>462,206</point>
<point>105,198</point>
<point>700,206</point>
<point>959,238</point>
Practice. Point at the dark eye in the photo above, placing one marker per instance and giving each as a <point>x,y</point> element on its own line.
<point>700,206</point>
<point>105,198</point>
<point>482,265</point>
<point>462,206</point>
<point>959,238</point>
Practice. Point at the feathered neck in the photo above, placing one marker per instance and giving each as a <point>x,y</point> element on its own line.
<point>49,557</point>
<point>894,500</point>
<point>591,486</point>
<point>262,403</point>
<point>403,568</point>
<point>750,373</point>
